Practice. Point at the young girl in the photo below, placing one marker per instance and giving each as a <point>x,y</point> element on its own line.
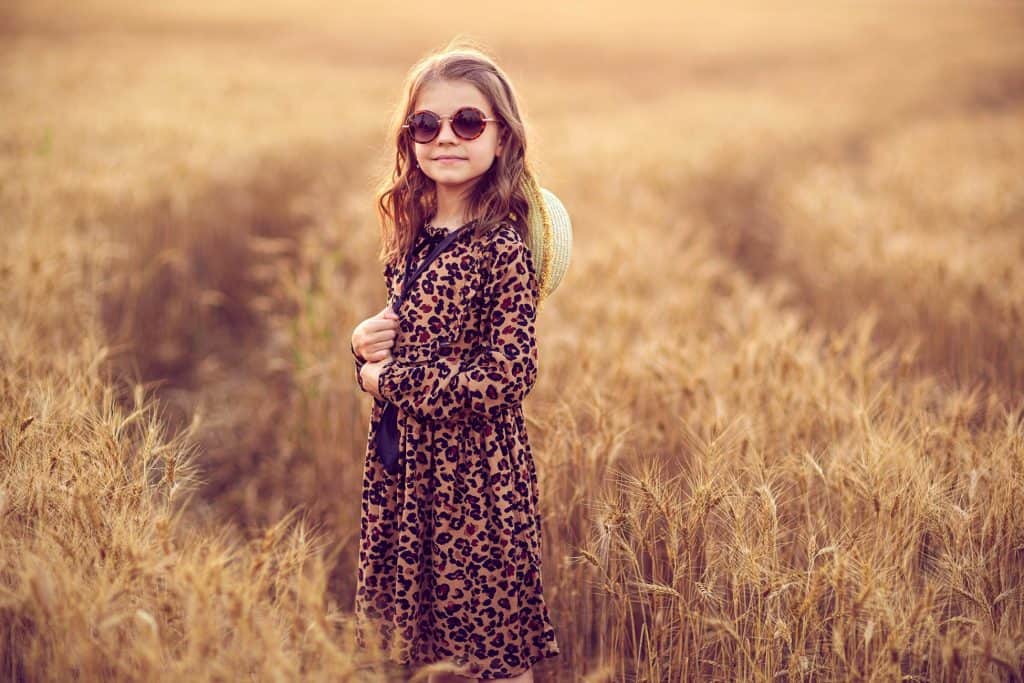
<point>450,544</point>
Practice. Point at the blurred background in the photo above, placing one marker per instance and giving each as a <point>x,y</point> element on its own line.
<point>778,417</point>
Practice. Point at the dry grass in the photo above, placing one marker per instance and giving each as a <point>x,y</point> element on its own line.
<point>778,423</point>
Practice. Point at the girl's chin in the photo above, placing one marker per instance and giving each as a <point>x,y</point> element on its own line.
<point>453,179</point>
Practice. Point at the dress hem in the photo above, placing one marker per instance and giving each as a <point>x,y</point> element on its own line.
<point>534,659</point>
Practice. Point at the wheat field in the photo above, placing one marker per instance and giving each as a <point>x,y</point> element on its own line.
<point>778,425</point>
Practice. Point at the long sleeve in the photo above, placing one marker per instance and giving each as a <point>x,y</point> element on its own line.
<point>502,372</point>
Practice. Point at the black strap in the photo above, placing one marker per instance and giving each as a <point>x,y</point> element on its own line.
<point>410,276</point>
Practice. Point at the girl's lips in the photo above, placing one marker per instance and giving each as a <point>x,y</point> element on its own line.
<point>449,159</point>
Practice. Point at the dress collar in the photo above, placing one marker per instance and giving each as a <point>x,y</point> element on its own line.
<point>434,230</point>
<point>440,231</point>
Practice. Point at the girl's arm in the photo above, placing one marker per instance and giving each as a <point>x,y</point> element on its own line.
<point>498,376</point>
<point>359,360</point>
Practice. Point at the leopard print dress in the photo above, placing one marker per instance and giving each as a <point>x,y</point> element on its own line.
<point>450,546</point>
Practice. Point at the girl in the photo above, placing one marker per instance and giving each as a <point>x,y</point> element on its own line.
<point>450,544</point>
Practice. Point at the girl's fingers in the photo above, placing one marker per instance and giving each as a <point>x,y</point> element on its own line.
<point>375,343</point>
<point>376,335</point>
<point>378,324</point>
<point>379,355</point>
<point>380,336</point>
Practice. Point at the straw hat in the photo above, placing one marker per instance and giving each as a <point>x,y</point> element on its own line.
<point>550,236</point>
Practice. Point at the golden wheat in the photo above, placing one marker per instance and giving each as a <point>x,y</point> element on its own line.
<point>778,425</point>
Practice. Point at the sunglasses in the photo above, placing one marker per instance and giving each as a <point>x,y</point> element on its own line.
<point>468,123</point>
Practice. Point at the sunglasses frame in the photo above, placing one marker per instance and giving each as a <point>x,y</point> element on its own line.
<point>440,124</point>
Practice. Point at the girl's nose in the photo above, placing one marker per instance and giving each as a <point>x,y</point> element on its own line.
<point>446,134</point>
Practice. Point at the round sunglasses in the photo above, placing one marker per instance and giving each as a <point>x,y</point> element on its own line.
<point>467,122</point>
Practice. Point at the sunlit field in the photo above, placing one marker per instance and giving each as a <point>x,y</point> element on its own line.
<point>779,420</point>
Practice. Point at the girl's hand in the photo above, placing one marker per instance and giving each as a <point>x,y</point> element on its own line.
<point>373,338</point>
<point>370,375</point>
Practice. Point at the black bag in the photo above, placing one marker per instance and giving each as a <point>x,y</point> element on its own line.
<point>387,432</point>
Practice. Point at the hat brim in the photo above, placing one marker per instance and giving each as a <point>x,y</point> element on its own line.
<point>549,238</point>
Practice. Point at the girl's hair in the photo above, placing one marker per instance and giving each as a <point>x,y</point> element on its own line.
<point>407,198</point>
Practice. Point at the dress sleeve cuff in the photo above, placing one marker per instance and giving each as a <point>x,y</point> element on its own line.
<point>386,383</point>
<point>360,362</point>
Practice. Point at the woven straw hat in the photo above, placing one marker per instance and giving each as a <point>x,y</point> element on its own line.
<point>550,236</point>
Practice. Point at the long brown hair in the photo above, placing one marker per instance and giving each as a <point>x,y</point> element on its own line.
<point>407,197</point>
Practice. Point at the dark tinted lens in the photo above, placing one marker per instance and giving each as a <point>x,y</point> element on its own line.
<point>424,126</point>
<point>468,123</point>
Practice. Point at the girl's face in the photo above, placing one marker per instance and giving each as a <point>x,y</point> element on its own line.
<point>450,161</point>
